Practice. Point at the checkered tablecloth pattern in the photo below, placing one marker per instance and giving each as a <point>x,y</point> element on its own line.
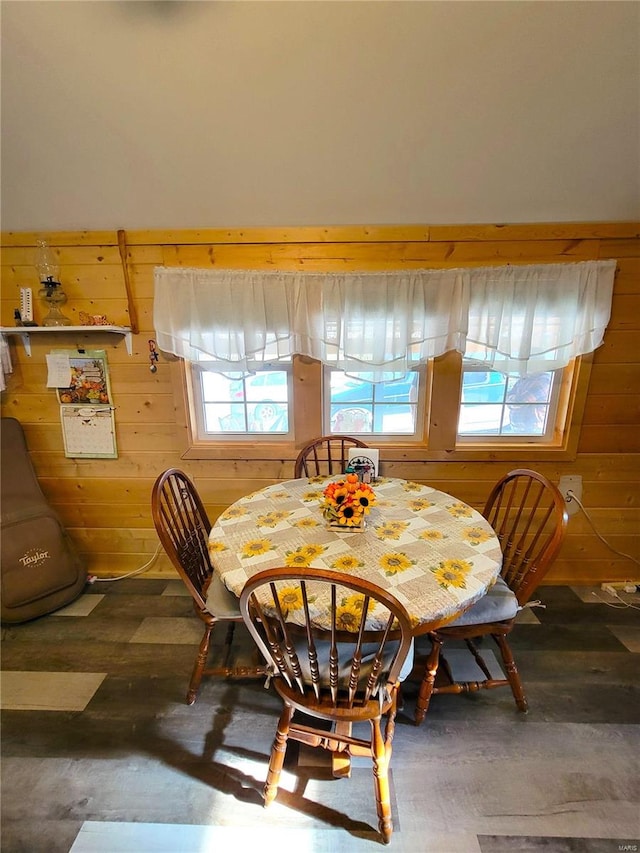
<point>436,554</point>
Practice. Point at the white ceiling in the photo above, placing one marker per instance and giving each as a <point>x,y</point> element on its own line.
<point>237,114</point>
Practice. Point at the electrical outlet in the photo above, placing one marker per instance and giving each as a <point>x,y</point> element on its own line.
<point>571,484</point>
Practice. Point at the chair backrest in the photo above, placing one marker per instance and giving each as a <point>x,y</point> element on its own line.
<point>326,455</point>
<point>333,639</point>
<point>183,529</point>
<point>529,516</point>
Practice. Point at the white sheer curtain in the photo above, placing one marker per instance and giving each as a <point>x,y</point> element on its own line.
<point>525,319</point>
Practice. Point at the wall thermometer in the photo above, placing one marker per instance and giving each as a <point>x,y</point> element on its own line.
<point>26,304</point>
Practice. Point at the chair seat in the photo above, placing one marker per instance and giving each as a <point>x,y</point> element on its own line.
<point>220,602</point>
<point>498,604</point>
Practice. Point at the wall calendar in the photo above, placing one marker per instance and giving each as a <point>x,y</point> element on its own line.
<point>89,431</point>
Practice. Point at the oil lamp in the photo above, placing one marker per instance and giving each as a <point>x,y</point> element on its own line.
<point>51,291</point>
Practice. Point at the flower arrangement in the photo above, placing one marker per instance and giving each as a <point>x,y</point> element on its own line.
<point>346,502</point>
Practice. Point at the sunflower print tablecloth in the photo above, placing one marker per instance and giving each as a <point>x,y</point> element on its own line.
<point>436,554</point>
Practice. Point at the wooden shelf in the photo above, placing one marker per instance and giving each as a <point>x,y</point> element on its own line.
<point>25,333</point>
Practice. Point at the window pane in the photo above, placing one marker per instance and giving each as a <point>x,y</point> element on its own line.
<point>528,402</point>
<point>495,404</point>
<point>258,403</point>
<point>222,417</point>
<point>381,408</point>
<point>268,417</point>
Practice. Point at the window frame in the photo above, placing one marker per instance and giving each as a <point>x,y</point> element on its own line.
<point>438,441</point>
<point>416,438</point>
<point>505,439</point>
<point>199,404</point>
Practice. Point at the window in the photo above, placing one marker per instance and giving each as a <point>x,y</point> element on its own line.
<point>277,329</point>
<point>451,410</point>
<point>356,405</point>
<point>507,406</point>
<point>233,406</point>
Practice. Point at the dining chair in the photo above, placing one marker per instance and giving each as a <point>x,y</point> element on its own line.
<point>326,455</point>
<point>528,515</point>
<point>183,527</point>
<point>337,649</point>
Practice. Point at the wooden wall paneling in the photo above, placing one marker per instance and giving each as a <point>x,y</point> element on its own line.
<point>147,465</point>
<point>386,233</point>
<point>613,409</point>
<point>442,425</point>
<point>137,541</point>
<point>624,308</point>
<point>131,439</point>
<point>91,255</point>
<point>304,234</point>
<point>614,521</point>
<point>385,253</point>
<point>618,347</point>
<point>106,503</point>
<point>99,490</point>
<point>309,408</point>
<point>603,438</point>
<point>627,276</point>
<point>593,468</point>
<point>138,409</point>
<point>581,546</point>
<point>578,571</point>
<point>537,231</point>
<point>81,280</point>
<point>618,247</point>
<point>614,379</point>
<point>113,517</point>
<point>625,494</point>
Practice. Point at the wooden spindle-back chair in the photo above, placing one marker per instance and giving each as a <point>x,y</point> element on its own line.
<point>336,647</point>
<point>528,515</point>
<point>183,527</point>
<point>326,455</point>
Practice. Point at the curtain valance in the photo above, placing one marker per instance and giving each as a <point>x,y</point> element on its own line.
<point>524,319</point>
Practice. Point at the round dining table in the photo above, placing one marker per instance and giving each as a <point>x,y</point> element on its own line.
<point>434,553</point>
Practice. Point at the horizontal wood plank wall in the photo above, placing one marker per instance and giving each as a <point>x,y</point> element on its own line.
<point>106,503</point>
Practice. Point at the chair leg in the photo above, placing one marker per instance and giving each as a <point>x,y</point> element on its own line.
<point>390,725</point>
<point>511,671</point>
<point>341,760</point>
<point>228,640</point>
<point>278,751</point>
<point>478,658</point>
<point>198,667</point>
<point>381,780</point>
<point>426,686</point>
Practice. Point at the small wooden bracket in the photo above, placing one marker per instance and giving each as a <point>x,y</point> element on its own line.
<point>122,246</point>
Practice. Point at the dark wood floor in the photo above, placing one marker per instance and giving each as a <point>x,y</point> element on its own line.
<point>101,753</point>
